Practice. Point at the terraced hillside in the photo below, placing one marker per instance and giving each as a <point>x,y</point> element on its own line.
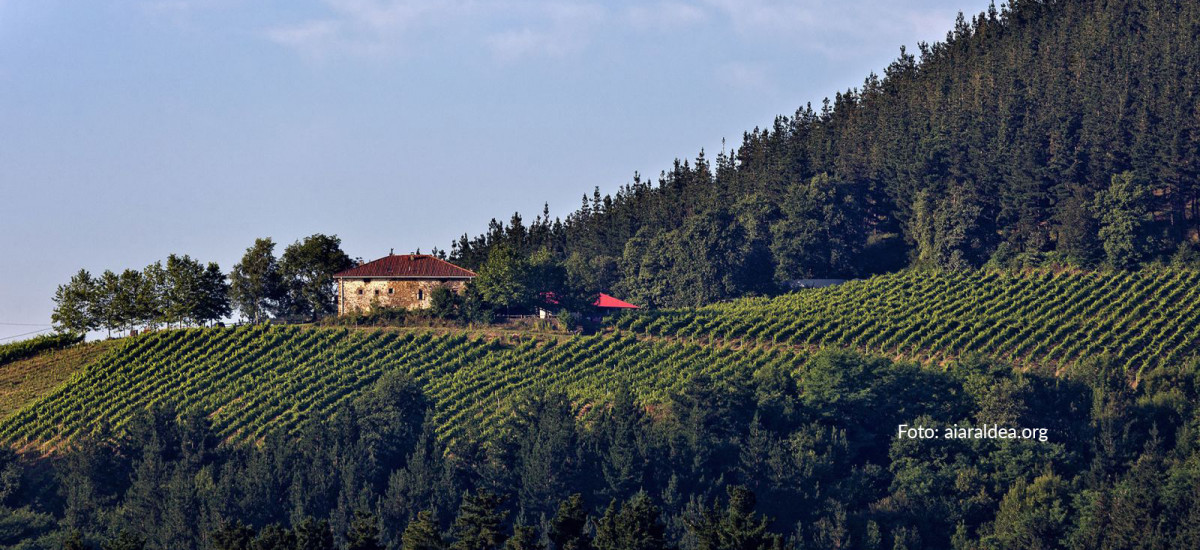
<point>1037,318</point>
<point>254,380</point>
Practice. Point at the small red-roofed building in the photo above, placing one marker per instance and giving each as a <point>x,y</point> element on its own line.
<point>603,305</point>
<point>605,301</point>
<point>397,281</point>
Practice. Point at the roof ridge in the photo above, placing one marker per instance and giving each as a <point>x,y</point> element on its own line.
<point>407,266</point>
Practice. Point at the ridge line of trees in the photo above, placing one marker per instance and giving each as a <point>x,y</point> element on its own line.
<point>184,292</point>
<point>1042,132</point>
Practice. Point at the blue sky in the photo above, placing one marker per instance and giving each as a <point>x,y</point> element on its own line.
<point>130,130</point>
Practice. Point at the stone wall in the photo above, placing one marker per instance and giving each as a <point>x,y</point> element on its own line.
<point>360,294</point>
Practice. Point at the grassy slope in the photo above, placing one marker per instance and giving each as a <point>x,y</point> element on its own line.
<point>26,380</point>
<point>258,380</point>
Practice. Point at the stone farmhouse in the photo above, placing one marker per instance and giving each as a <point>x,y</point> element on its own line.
<point>397,280</point>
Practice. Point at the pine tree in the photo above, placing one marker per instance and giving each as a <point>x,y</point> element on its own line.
<point>636,526</point>
<point>232,535</point>
<point>524,537</point>
<point>567,527</point>
<point>73,541</point>
<point>314,535</point>
<point>737,528</point>
<point>74,309</point>
<point>422,533</point>
<point>125,541</point>
<point>478,525</point>
<point>274,537</point>
<point>214,291</point>
<point>364,532</point>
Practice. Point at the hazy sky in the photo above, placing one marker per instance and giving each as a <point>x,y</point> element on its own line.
<point>133,129</point>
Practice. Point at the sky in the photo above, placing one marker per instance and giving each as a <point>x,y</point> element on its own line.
<point>130,130</point>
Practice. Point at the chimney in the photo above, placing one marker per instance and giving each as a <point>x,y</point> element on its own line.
<point>391,251</point>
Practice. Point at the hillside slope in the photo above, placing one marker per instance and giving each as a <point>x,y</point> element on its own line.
<point>254,381</point>
<point>257,380</point>
<point>1037,318</point>
<point>26,380</point>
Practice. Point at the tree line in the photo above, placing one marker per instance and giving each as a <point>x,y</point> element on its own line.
<point>183,291</point>
<point>1042,132</point>
<point>299,286</point>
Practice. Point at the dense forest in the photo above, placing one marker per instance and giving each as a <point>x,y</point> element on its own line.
<point>1064,132</point>
<point>764,460</point>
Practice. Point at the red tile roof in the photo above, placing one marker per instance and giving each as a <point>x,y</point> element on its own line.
<point>608,301</point>
<point>407,266</point>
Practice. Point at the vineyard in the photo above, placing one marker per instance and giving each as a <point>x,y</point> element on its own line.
<point>25,380</point>
<point>33,346</point>
<point>258,380</point>
<point>1037,318</point>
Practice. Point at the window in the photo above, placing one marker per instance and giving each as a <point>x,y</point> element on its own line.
<point>360,291</point>
<point>377,292</point>
<point>391,290</point>
<point>420,294</point>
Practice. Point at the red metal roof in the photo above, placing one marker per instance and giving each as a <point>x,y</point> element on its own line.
<point>409,266</point>
<point>608,301</point>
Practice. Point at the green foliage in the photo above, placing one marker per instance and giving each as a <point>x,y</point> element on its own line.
<point>567,527</point>
<point>73,541</point>
<point>811,442</point>
<point>524,537</point>
<point>1036,515</point>
<point>364,532</point>
<point>21,349</point>
<point>255,284</point>
<point>125,541</point>
<point>184,292</point>
<point>274,537</point>
<point>479,523</point>
<point>819,233</point>
<point>233,535</point>
<point>73,311</point>
<point>194,292</point>
<point>422,533</point>
<point>389,413</point>
<point>1187,255</point>
<point>23,524</point>
<point>314,535</point>
<point>444,303</point>
<point>947,229</point>
<point>737,527</point>
<point>708,258</point>
<point>1123,215</point>
<point>635,526</point>
<point>307,268</point>
<point>503,280</point>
